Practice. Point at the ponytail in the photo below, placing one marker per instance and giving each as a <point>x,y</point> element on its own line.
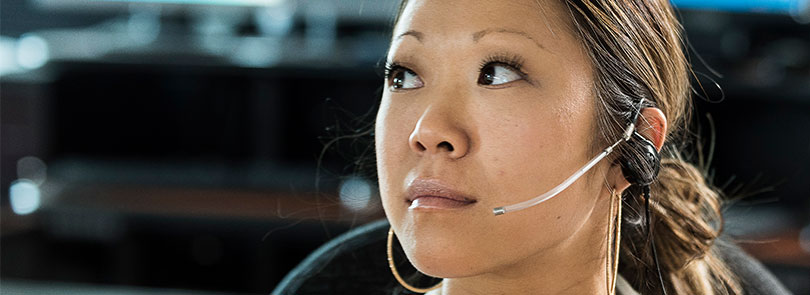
<point>686,220</point>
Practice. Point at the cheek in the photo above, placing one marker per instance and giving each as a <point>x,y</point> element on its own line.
<point>392,153</point>
<point>536,142</point>
<point>522,149</point>
<point>525,151</point>
<point>390,135</point>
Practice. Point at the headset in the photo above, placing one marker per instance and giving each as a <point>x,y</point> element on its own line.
<point>641,171</point>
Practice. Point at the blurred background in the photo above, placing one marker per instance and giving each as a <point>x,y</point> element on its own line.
<point>176,147</point>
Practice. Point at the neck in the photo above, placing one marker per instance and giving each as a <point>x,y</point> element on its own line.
<point>576,266</point>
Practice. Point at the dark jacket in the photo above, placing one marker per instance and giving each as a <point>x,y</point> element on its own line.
<point>355,263</point>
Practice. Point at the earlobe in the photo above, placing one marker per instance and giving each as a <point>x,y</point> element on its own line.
<point>652,124</point>
<point>617,181</point>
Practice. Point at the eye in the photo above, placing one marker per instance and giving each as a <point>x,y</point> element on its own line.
<point>498,74</point>
<point>399,77</point>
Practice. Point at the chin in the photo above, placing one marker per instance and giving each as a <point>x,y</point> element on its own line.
<point>443,260</point>
<point>443,267</point>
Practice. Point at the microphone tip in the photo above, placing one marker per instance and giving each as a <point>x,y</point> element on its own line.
<point>499,211</point>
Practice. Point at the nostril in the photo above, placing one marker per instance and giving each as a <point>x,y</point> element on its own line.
<point>420,146</point>
<point>446,145</point>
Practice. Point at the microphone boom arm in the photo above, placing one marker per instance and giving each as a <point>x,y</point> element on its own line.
<point>565,184</point>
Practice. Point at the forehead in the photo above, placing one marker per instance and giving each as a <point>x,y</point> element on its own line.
<point>442,19</point>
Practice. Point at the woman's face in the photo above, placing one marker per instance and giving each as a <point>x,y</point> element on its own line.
<point>489,102</point>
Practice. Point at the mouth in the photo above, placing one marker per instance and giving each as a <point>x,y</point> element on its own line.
<point>427,194</point>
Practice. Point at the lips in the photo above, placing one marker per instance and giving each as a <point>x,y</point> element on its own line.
<point>433,194</point>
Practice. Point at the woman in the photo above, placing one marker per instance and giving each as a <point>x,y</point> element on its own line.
<point>491,103</point>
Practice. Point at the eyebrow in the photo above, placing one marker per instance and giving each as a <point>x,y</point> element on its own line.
<point>480,34</point>
<point>416,34</point>
<point>477,35</point>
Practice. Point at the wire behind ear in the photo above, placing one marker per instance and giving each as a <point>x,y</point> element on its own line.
<point>642,168</point>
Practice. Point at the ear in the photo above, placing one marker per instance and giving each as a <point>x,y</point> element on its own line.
<point>652,124</point>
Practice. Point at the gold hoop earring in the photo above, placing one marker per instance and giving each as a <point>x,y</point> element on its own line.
<point>396,273</point>
<point>617,233</point>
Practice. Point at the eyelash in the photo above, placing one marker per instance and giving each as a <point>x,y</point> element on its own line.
<point>390,67</point>
<point>510,60</point>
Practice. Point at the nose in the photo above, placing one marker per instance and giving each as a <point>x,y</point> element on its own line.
<point>437,133</point>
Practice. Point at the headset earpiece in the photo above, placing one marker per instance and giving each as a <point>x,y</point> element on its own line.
<point>641,170</point>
